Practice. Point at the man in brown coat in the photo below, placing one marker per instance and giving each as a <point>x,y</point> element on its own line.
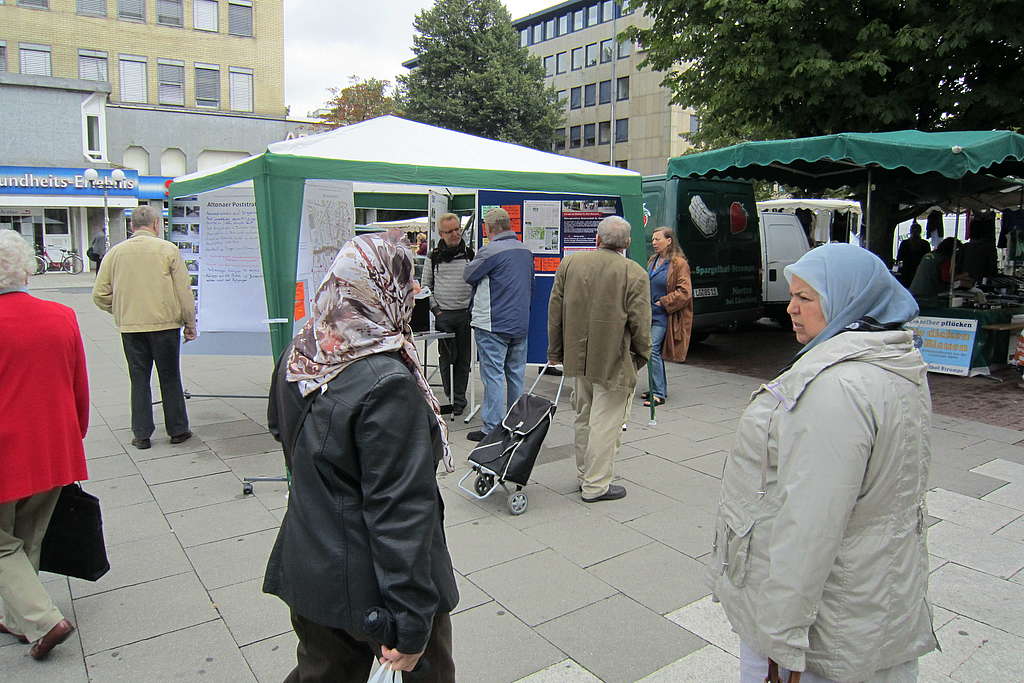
<point>599,328</point>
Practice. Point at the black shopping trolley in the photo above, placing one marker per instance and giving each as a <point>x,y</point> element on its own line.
<point>507,454</point>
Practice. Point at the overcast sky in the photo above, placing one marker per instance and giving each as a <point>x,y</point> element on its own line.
<point>326,41</point>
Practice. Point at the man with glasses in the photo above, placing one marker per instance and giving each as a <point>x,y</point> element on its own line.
<point>450,297</point>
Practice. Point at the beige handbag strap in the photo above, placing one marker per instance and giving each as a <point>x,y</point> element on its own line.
<point>773,674</point>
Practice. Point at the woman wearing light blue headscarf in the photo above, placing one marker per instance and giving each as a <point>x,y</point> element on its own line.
<point>820,560</point>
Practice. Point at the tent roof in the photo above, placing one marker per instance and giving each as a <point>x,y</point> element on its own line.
<point>812,204</point>
<point>830,161</point>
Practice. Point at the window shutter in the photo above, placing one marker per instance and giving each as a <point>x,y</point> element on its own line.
<point>239,19</point>
<point>207,87</point>
<point>133,81</point>
<point>42,4</point>
<point>35,62</point>
<point>92,68</point>
<point>171,84</point>
<point>96,7</point>
<point>204,14</point>
<point>132,9</point>
<point>241,91</point>
<point>168,12</point>
<point>3,57</point>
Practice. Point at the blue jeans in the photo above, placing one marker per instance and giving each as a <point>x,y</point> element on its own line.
<point>502,366</point>
<point>658,382</point>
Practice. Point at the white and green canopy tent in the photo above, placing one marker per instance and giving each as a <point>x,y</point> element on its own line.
<point>392,150</point>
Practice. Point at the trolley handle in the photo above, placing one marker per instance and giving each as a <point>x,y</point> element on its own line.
<point>561,382</point>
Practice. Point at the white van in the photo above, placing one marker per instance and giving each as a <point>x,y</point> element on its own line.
<point>783,241</point>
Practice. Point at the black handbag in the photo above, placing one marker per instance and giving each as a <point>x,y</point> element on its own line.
<point>73,544</point>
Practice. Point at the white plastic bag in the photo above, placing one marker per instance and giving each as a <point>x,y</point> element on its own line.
<point>385,675</point>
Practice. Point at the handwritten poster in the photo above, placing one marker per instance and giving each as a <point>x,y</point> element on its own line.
<point>328,222</point>
<point>542,226</point>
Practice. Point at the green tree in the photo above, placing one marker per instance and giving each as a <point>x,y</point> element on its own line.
<point>768,69</point>
<point>471,75</point>
<point>361,100</point>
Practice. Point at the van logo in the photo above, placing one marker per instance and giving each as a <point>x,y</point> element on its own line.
<point>647,214</point>
<point>703,217</point>
<point>737,218</point>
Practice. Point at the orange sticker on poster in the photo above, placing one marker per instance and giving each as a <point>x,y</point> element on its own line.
<point>300,301</point>
<point>546,264</point>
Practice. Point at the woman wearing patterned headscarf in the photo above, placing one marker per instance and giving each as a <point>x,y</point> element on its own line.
<point>820,560</point>
<point>361,558</point>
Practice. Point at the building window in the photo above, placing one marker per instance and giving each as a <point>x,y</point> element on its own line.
<point>625,49</point>
<point>207,85</point>
<point>240,85</point>
<point>577,58</point>
<point>574,136</point>
<point>94,133</point>
<point>169,12</point>
<point>94,8</point>
<point>170,85</point>
<point>575,98</point>
<point>621,163</point>
<point>549,29</point>
<point>133,10</point>
<point>694,123</point>
<point>37,4</point>
<point>538,33</point>
<point>604,132</point>
<point>604,92</point>
<point>549,66</point>
<point>578,18</point>
<point>240,18</point>
<point>559,143</point>
<point>3,56</point>
<point>34,59</point>
<point>204,15</point>
<point>563,24</point>
<point>592,18</point>
<point>588,135</point>
<point>563,95</point>
<point>607,51</point>
<point>621,130</point>
<point>92,65</point>
<point>133,78</point>
<point>591,54</point>
<point>622,88</point>
<point>562,62</point>
<point>590,94</point>
<point>524,37</point>
<point>607,10</point>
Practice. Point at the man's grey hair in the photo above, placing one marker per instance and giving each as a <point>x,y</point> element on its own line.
<point>145,217</point>
<point>497,220</point>
<point>614,232</point>
<point>17,261</point>
<point>445,217</point>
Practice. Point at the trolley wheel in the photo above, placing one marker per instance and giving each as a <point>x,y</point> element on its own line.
<point>246,488</point>
<point>483,484</point>
<point>517,503</point>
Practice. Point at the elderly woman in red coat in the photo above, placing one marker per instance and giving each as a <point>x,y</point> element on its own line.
<point>44,404</point>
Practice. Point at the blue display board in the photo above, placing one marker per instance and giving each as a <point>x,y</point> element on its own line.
<point>947,344</point>
<point>553,226</point>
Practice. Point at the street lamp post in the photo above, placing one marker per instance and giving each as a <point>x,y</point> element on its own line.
<point>92,175</point>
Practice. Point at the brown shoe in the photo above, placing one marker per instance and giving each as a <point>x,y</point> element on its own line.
<point>21,638</point>
<point>54,637</point>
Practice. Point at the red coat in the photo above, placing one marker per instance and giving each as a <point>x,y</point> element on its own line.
<point>44,397</point>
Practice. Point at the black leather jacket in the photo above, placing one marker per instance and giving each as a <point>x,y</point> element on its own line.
<point>364,521</point>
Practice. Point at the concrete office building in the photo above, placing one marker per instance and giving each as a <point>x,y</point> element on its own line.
<point>615,112</point>
<point>156,87</point>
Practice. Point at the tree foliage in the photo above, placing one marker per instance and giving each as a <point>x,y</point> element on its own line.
<point>763,69</point>
<point>471,75</point>
<point>362,100</point>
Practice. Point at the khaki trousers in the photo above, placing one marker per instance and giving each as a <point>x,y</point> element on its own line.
<point>28,609</point>
<point>599,416</point>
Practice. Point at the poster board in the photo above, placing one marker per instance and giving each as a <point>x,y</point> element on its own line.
<point>947,344</point>
<point>328,223</point>
<point>553,226</point>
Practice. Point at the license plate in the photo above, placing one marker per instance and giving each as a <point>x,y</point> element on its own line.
<point>701,292</point>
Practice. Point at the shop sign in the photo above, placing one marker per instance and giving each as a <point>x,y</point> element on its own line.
<point>30,180</point>
<point>946,344</point>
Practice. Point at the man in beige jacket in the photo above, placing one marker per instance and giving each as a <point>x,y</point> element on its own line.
<point>599,328</point>
<point>144,283</point>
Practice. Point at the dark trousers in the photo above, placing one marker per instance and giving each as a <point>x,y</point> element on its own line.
<point>142,350</point>
<point>332,655</point>
<point>455,354</point>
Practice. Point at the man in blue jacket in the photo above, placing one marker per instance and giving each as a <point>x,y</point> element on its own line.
<point>502,279</point>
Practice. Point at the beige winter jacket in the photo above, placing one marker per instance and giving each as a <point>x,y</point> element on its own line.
<point>827,569</point>
<point>144,283</point>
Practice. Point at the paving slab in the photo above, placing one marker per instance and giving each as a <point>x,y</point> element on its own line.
<point>979,596</point>
<point>1013,531</point>
<point>639,501</point>
<point>566,671</point>
<point>969,512</point>
<point>119,492</point>
<point>251,614</point>
<point>215,431</point>
<point>486,542</point>
<point>973,651</point>
<point>673,480</point>
<point>110,467</point>
<point>1010,495</point>
<point>128,615</point>
<point>179,467</point>
<point>204,652</point>
<point>961,481</point>
<point>220,521</point>
<point>656,576</point>
<point>271,660</point>
<point>197,492</point>
<point>706,665</point>
<point>673,447</point>
<point>595,637</point>
<point>993,555</point>
<point>524,586</point>
<point>244,445</point>
<point>712,464</point>
<point>470,595</point>
<point>124,524</point>
<point>137,562</point>
<point>998,450</point>
<point>502,649</point>
<point>689,530</point>
<point>999,468</point>
<point>232,560</point>
<point>588,539</point>
<point>707,619</point>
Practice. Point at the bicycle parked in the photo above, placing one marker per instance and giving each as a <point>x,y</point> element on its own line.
<point>70,262</point>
